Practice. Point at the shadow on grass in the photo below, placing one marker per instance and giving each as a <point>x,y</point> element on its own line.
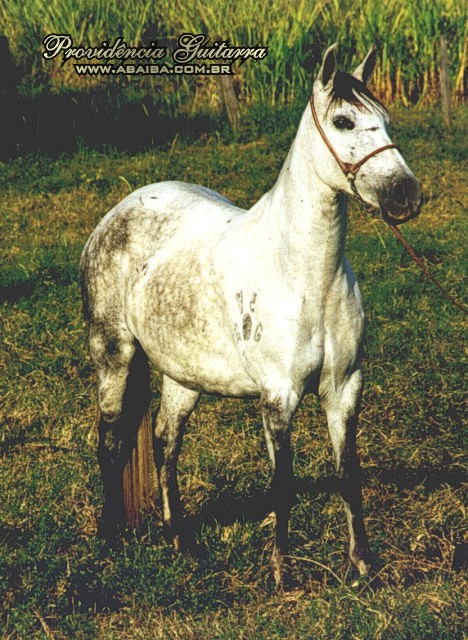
<point>57,124</point>
<point>25,287</point>
<point>428,477</point>
<point>131,566</point>
<point>228,509</point>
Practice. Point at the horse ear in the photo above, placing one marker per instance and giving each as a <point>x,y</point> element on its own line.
<point>364,71</point>
<point>328,68</point>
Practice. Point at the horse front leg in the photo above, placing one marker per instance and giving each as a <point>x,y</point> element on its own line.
<point>342,414</point>
<point>277,413</point>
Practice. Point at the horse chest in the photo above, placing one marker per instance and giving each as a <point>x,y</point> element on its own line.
<point>275,333</point>
<point>306,335</point>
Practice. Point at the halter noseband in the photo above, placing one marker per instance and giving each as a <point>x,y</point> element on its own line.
<point>350,170</point>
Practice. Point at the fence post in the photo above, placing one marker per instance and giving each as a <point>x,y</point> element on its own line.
<point>444,81</point>
<point>228,95</point>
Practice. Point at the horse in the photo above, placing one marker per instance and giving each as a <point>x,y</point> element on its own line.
<point>259,303</point>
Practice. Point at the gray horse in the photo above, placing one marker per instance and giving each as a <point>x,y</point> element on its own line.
<point>246,303</point>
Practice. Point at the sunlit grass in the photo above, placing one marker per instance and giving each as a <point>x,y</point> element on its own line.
<point>296,34</point>
<point>58,580</point>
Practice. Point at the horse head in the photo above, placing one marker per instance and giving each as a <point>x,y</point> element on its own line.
<point>360,159</point>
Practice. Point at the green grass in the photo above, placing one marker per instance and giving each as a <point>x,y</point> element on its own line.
<point>296,34</point>
<point>57,580</point>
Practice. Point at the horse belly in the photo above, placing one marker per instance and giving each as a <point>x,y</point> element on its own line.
<point>177,316</point>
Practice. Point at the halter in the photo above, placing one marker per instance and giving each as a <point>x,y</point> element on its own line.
<point>350,170</point>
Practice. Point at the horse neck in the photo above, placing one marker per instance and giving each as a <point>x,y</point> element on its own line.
<point>310,216</point>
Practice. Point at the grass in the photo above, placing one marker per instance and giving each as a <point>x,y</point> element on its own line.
<point>57,580</point>
<point>296,34</point>
<point>50,108</point>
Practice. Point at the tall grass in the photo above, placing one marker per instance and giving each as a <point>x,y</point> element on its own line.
<point>88,22</point>
<point>407,33</point>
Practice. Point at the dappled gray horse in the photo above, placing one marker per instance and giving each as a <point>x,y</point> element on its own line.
<point>259,302</point>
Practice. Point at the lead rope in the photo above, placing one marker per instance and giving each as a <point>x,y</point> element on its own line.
<point>409,249</point>
<point>397,233</point>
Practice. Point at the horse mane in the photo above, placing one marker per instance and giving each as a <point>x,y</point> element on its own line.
<point>347,88</point>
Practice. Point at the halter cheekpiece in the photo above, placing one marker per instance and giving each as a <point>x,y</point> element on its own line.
<point>350,170</point>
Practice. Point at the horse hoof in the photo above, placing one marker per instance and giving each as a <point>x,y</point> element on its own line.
<point>362,563</point>
<point>183,542</point>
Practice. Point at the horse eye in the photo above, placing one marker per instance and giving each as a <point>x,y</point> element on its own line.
<point>343,123</point>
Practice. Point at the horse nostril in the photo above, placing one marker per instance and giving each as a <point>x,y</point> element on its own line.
<point>406,193</point>
<point>400,195</point>
<point>402,199</point>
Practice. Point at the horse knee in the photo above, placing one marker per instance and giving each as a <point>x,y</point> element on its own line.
<point>342,409</point>
<point>110,441</point>
<point>277,411</point>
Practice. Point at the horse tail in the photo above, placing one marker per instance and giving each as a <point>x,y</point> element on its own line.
<point>139,474</point>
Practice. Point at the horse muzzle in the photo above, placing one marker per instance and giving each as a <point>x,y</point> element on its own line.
<point>401,201</point>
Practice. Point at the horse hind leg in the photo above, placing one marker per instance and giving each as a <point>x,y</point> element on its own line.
<point>124,430</point>
<point>177,402</point>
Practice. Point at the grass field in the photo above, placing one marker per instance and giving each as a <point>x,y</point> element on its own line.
<point>57,580</point>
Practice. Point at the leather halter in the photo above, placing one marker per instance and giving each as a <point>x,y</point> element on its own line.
<point>350,170</point>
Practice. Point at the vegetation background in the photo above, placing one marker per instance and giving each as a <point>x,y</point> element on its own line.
<point>53,109</point>
<point>83,145</point>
